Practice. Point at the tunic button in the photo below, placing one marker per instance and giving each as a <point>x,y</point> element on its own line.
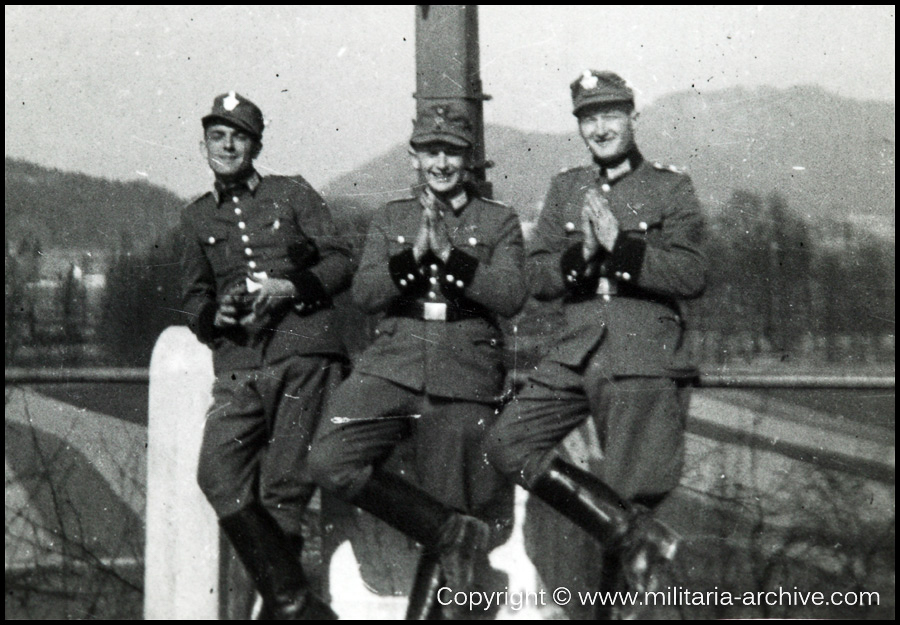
<point>235,199</point>
<point>626,276</point>
<point>402,282</point>
<point>409,276</point>
<point>606,298</point>
<point>431,294</point>
<point>459,283</point>
<point>401,240</point>
<point>433,280</point>
<point>252,264</point>
<point>237,211</point>
<point>248,251</point>
<point>245,238</point>
<point>211,240</point>
<point>604,187</point>
<point>433,267</point>
<point>618,274</point>
<point>642,225</point>
<point>241,225</point>
<point>570,226</point>
<point>449,277</point>
<point>473,241</point>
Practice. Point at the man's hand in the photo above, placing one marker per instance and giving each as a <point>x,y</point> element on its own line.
<point>227,312</point>
<point>439,235</point>
<point>603,223</point>
<point>273,294</point>
<point>421,244</point>
<point>233,306</point>
<point>590,246</point>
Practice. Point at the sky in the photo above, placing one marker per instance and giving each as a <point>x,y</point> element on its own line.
<point>118,91</point>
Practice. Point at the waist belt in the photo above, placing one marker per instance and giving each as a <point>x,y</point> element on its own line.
<point>437,311</point>
<point>608,289</point>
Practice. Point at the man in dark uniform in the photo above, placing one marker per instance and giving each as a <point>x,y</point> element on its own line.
<point>261,262</point>
<point>618,241</point>
<point>441,267</point>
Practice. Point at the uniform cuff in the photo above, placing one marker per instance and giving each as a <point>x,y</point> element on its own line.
<point>311,293</point>
<point>627,256</point>
<point>574,271</point>
<point>202,325</point>
<point>459,270</point>
<point>405,273</point>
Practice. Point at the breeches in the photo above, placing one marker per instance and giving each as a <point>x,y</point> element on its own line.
<point>257,436</point>
<point>639,420</point>
<point>369,417</point>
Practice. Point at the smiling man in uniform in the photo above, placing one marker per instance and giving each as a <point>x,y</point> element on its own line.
<point>440,267</point>
<point>618,242</point>
<point>261,261</point>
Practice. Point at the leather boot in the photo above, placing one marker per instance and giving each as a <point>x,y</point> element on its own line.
<point>423,604</point>
<point>457,539</point>
<point>630,531</point>
<point>275,570</point>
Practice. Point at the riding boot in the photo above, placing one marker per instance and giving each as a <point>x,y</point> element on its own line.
<point>423,605</point>
<point>630,531</point>
<point>266,553</point>
<point>456,538</point>
<point>610,581</point>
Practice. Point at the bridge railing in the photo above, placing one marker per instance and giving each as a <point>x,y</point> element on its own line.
<point>183,572</point>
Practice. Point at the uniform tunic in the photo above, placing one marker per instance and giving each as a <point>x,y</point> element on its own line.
<point>271,380</point>
<point>619,356</point>
<point>435,369</point>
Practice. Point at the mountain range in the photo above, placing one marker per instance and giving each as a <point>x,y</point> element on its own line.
<point>828,156</point>
<point>58,209</point>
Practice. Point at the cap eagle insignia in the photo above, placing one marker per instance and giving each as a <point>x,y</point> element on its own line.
<point>230,102</point>
<point>588,80</point>
<point>439,118</point>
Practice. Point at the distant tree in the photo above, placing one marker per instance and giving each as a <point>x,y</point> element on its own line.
<point>142,298</point>
<point>788,311</point>
<point>13,289</point>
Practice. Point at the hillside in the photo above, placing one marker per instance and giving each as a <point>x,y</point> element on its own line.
<point>71,210</point>
<point>828,156</point>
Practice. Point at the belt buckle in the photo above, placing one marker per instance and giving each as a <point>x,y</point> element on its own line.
<point>435,311</point>
<point>606,287</point>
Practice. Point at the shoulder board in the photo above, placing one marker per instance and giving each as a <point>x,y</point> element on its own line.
<point>671,168</point>
<point>497,202</point>
<point>567,170</point>
<point>405,198</point>
<point>197,198</point>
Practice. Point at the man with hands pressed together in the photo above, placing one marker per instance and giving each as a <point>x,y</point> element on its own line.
<point>261,261</point>
<point>618,242</point>
<point>440,267</point>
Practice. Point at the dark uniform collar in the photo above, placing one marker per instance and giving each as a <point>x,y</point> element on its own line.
<point>454,203</point>
<point>222,190</point>
<point>624,167</point>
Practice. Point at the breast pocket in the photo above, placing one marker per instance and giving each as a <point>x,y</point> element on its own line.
<point>281,227</point>
<point>473,245</point>
<point>646,223</point>
<point>281,234</point>
<point>215,244</point>
<point>398,242</point>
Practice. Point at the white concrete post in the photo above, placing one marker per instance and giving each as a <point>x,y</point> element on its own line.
<point>181,578</point>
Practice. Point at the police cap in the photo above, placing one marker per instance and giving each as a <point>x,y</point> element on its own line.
<point>594,87</point>
<point>447,123</point>
<point>236,110</point>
